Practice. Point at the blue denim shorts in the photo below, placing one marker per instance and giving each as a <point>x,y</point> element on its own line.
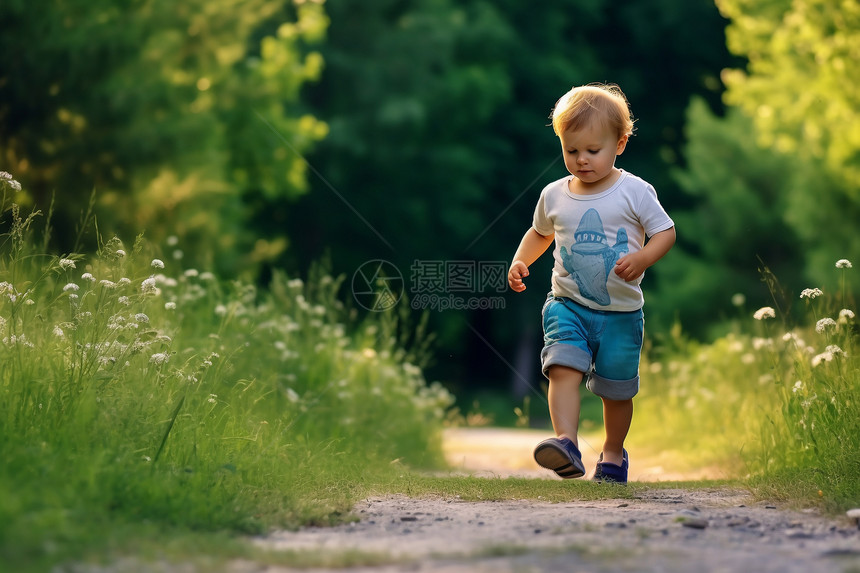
<point>604,345</point>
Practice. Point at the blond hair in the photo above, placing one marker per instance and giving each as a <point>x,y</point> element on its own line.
<point>582,105</point>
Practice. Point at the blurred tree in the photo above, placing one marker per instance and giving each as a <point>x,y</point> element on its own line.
<point>439,142</point>
<point>678,54</point>
<point>800,84</point>
<point>736,226</point>
<point>170,111</point>
<point>799,90</point>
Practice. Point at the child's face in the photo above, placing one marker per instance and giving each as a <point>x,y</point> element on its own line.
<point>589,154</point>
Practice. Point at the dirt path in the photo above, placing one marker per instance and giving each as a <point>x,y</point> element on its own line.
<point>667,530</point>
<point>503,452</point>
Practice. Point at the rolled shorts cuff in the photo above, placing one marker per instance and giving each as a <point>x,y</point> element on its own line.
<point>612,389</point>
<point>563,354</point>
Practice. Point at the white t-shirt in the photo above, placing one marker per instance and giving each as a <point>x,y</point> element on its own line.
<point>592,232</point>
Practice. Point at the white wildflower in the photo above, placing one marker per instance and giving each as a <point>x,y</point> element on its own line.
<point>21,340</point>
<point>159,358</point>
<point>172,240</point>
<point>59,332</point>
<point>738,299</point>
<point>178,254</point>
<point>15,185</point>
<point>212,398</point>
<point>140,317</point>
<point>71,287</point>
<point>823,324</point>
<point>170,306</point>
<point>120,253</point>
<point>107,284</point>
<point>811,293</point>
<point>5,176</point>
<point>823,357</point>
<point>845,315</point>
<point>67,264</point>
<point>124,281</point>
<point>149,286</point>
<point>798,386</point>
<point>843,264</point>
<point>157,264</point>
<point>207,276</point>
<point>220,310</point>
<point>191,273</point>
<point>835,350</point>
<point>88,277</point>
<point>760,343</point>
<point>295,283</point>
<point>292,396</point>
<point>764,312</point>
<point>116,322</point>
<point>124,300</point>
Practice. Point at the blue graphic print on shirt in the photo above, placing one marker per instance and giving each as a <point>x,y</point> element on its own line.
<point>591,259</point>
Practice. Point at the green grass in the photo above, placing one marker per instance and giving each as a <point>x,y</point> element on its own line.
<point>776,404</point>
<point>154,411</point>
<point>138,393</point>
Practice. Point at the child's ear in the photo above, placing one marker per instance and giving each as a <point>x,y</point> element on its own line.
<point>622,144</point>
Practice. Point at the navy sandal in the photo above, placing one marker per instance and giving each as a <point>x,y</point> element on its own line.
<point>561,456</point>
<point>611,473</point>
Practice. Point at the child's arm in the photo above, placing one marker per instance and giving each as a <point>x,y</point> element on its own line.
<point>531,247</point>
<point>630,267</point>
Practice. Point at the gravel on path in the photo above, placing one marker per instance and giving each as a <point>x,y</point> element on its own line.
<point>667,530</point>
<point>708,529</point>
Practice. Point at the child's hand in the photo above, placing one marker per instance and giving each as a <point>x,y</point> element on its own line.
<point>516,274</point>
<point>630,267</point>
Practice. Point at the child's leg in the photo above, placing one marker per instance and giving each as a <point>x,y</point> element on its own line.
<point>617,415</point>
<point>564,401</point>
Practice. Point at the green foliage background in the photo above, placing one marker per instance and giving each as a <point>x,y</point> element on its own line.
<point>268,134</point>
<point>252,139</point>
<point>173,113</point>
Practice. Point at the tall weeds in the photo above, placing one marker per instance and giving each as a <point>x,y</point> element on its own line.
<point>774,402</point>
<point>134,390</point>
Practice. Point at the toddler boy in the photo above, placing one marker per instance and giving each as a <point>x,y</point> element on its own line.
<point>599,217</point>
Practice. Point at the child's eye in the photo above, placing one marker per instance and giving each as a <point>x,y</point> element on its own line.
<point>593,150</point>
